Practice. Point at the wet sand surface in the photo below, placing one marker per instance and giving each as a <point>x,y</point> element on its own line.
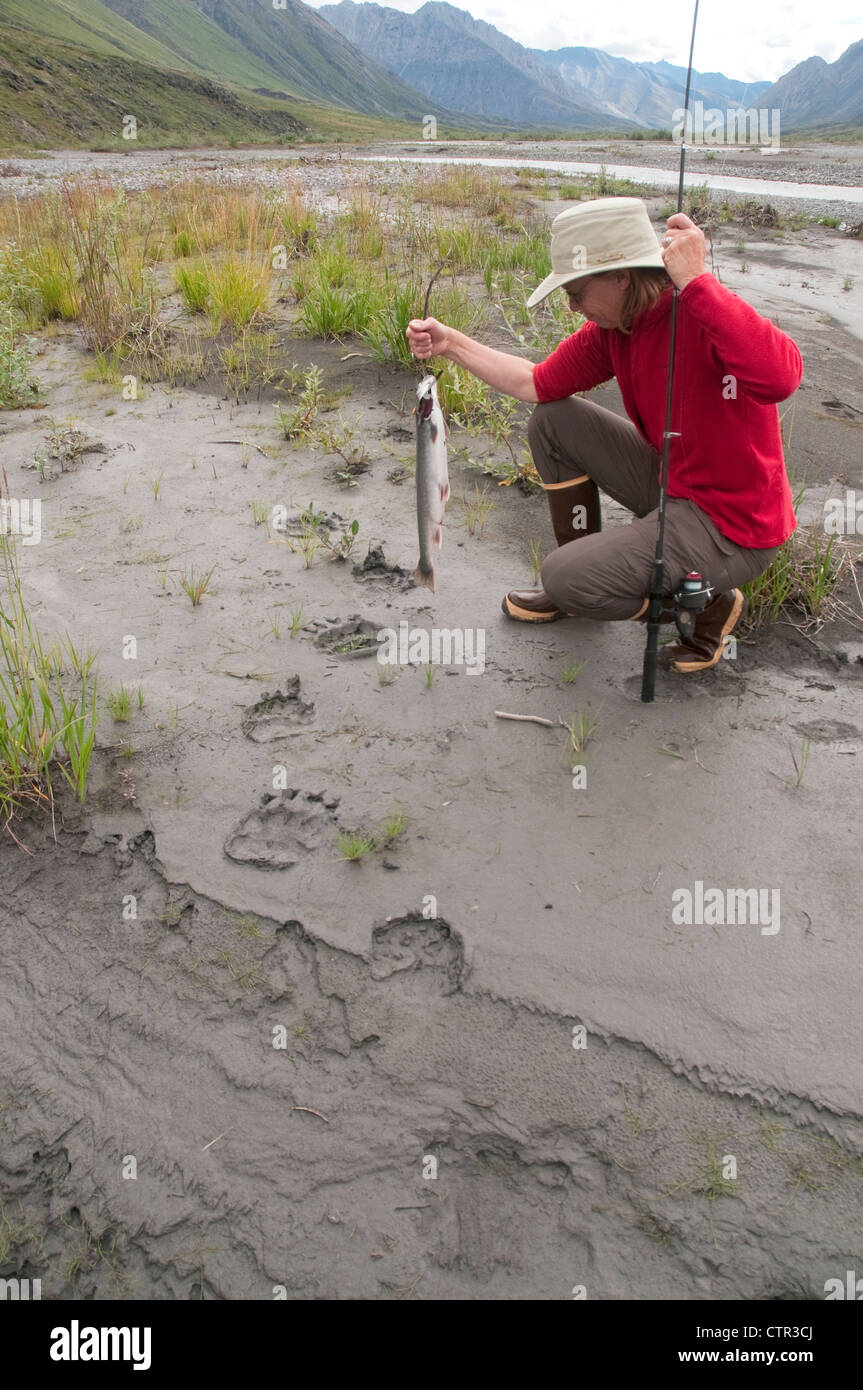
<point>281,1039</point>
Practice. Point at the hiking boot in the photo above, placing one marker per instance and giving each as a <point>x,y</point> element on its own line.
<point>534,605</point>
<point>712,626</point>
<point>530,606</point>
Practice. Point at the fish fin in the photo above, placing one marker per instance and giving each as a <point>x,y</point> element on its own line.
<point>437,537</point>
<point>444,492</point>
<point>421,576</point>
<point>433,430</point>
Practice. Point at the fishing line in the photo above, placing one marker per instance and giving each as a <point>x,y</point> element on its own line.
<point>654,611</point>
<point>424,371</point>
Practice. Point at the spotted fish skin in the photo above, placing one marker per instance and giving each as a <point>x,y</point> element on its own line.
<point>432,478</point>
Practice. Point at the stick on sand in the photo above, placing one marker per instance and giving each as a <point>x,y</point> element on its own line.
<point>525,718</point>
<point>312,1112</point>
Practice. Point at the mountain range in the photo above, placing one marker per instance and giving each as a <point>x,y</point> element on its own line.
<point>648,93</point>
<point>464,62</point>
<point>196,71</point>
<point>467,64</point>
<point>820,94</point>
<point>451,57</point>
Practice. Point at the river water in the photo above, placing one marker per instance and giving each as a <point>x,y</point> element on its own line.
<point>657,178</point>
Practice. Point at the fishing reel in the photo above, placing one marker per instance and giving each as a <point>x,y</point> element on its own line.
<point>690,599</point>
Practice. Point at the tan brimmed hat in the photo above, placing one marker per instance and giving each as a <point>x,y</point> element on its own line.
<point>606,234</point>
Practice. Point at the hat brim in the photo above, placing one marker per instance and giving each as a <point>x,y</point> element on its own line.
<point>555,282</point>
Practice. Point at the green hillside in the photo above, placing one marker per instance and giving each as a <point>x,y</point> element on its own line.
<point>194,40</point>
<point>90,24</point>
<point>191,73</point>
<point>69,95</point>
<point>291,49</point>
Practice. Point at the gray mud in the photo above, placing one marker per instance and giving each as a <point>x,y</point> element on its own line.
<point>196,979</point>
<point>557,1165</point>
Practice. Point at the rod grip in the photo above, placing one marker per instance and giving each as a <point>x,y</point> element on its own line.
<point>648,672</point>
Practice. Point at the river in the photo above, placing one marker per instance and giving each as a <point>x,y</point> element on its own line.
<point>657,178</point>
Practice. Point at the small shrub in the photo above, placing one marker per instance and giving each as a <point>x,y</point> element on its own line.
<point>17,386</point>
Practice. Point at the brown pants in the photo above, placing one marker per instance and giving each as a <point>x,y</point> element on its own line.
<point>607,575</point>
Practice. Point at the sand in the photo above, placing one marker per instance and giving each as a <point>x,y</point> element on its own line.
<point>538,1084</point>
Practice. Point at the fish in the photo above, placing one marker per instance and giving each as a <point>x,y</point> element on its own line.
<point>432,478</point>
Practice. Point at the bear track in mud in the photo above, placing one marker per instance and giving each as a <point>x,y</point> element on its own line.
<point>277,715</point>
<point>413,943</point>
<point>377,568</point>
<point>154,1039</point>
<point>356,636</point>
<point>286,826</point>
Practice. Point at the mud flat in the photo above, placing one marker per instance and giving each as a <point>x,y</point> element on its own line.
<point>283,1041</point>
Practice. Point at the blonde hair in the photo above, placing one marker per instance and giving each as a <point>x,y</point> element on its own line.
<point>646,284</point>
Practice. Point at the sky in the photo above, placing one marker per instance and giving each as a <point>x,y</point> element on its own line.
<point>755,43</point>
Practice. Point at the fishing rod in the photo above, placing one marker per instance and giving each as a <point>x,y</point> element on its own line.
<point>654,611</point>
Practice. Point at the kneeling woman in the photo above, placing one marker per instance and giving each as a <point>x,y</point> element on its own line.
<point>729,504</point>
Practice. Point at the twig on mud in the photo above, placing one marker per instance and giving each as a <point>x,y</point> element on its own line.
<point>698,760</point>
<point>403,1292</point>
<point>216,1140</point>
<point>672,750</point>
<point>312,1112</point>
<point>247,443</point>
<point>654,883</point>
<point>856,586</point>
<point>526,718</point>
<point>621,1165</point>
<point>845,611</point>
<point>15,838</point>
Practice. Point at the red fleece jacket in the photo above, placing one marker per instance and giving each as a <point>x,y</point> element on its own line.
<point>731,367</point>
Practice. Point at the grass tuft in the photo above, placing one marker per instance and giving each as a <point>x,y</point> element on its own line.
<point>353,846</point>
<point>196,584</point>
<point>48,710</point>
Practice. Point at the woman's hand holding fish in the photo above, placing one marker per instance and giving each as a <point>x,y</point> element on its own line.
<point>427,338</point>
<point>506,372</point>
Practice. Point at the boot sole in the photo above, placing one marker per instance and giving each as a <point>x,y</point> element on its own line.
<point>524,615</point>
<point>731,622</point>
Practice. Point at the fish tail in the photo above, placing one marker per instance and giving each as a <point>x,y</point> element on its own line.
<point>424,576</point>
